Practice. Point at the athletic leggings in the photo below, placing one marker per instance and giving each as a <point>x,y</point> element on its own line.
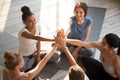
<point>95,70</point>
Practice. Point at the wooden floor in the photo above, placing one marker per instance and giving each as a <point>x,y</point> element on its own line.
<point>53,14</point>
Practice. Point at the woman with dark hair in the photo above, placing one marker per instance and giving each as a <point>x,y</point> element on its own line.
<point>14,62</point>
<point>29,40</point>
<point>109,67</point>
<point>80,28</point>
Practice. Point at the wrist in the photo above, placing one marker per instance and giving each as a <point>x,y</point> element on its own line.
<point>64,47</point>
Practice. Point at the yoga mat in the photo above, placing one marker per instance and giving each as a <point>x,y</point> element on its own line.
<point>97,15</point>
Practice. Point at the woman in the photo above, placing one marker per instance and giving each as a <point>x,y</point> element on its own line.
<point>29,40</point>
<point>14,62</point>
<point>109,68</point>
<point>75,71</point>
<point>80,28</point>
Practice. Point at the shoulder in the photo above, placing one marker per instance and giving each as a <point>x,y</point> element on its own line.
<point>72,18</point>
<point>89,19</point>
<point>23,30</point>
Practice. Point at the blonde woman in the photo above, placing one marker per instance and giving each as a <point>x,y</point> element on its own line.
<point>14,62</point>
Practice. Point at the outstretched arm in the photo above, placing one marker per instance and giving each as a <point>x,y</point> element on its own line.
<point>75,42</point>
<point>31,36</point>
<point>32,73</point>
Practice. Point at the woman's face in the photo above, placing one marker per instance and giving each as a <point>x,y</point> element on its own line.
<point>30,21</point>
<point>79,14</point>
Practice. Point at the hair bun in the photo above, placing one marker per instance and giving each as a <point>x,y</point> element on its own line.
<point>9,56</point>
<point>25,10</point>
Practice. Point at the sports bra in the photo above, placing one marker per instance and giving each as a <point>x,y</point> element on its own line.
<point>107,66</point>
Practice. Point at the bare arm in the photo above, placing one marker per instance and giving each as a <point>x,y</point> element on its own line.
<point>38,45</point>
<point>32,73</point>
<point>71,59</point>
<point>75,42</point>
<point>87,34</point>
<point>31,36</point>
<point>69,56</point>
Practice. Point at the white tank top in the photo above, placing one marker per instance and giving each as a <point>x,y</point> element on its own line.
<point>27,46</point>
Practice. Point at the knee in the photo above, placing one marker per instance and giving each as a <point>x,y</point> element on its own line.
<point>55,57</point>
<point>87,51</point>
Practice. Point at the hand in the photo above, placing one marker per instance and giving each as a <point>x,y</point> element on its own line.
<point>61,33</point>
<point>60,38</point>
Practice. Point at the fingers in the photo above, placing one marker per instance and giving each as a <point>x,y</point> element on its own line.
<point>60,38</point>
<point>60,33</point>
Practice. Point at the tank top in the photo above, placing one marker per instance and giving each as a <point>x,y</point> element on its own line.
<point>27,46</point>
<point>107,66</point>
<point>77,31</point>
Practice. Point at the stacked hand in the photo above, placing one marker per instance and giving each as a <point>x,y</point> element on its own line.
<point>60,38</point>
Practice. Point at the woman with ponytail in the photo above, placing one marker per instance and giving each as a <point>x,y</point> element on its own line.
<point>109,67</point>
<point>29,40</point>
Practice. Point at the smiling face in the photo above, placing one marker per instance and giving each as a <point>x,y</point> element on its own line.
<point>30,21</point>
<point>79,14</point>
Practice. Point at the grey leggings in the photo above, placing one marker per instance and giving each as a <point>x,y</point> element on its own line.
<point>85,51</point>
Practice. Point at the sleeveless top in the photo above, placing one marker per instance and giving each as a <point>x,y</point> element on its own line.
<point>14,78</point>
<point>107,66</point>
<point>77,31</point>
<point>27,46</point>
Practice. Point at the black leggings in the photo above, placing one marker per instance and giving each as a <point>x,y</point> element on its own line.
<point>95,70</point>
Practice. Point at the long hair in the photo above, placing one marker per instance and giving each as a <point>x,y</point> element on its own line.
<point>113,41</point>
